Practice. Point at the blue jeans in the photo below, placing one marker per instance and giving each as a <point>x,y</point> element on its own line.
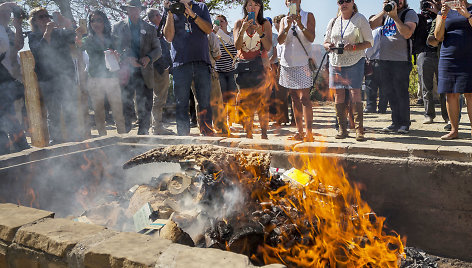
<point>183,75</point>
<point>228,86</point>
<point>395,78</point>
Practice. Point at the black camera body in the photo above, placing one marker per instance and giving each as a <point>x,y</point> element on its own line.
<point>176,7</point>
<point>425,5</point>
<point>391,5</point>
<point>338,49</point>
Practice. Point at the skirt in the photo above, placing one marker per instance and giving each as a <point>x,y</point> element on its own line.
<point>299,77</point>
<point>349,77</point>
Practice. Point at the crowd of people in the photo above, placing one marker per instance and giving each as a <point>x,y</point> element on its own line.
<point>231,75</point>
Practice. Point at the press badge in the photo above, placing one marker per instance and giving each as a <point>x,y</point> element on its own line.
<point>188,27</point>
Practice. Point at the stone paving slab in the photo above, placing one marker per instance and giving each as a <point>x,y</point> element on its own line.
<point>171,139</point>
<point>12,217</point>
<point>55,236</point>
<point>321,147</point>
<point>126,250</point>
<point>179,256</point>
<point>268,145</point>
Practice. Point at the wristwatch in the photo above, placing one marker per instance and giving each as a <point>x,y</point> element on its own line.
<point>262,35</point>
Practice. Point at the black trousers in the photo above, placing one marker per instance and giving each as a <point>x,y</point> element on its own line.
<point>144,95</point>
<point>372,86</point>
<point>427,63</point>
<point>395,80</point>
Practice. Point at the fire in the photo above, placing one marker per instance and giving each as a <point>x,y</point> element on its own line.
<point>337,227</point>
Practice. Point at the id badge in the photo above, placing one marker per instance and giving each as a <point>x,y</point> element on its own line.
<point>188,27</point>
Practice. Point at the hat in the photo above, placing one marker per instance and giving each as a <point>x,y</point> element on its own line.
<point>133,3</point>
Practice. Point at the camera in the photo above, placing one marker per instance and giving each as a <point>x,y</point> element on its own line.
<point>176,7</point>
<point>19,13</point>
<point>339,49</point>
<point>424,5</point>
<point>391,5</point>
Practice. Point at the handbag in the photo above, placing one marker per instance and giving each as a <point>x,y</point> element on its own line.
<point>311,62</point>
<point>249,73</point>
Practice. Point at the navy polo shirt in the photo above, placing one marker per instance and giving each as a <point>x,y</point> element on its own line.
<point>190,46</point>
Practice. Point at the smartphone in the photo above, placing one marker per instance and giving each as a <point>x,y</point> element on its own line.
<point>217,22</point>
<point>83,25</point>
<point>453,4</point>
<point>251,16</point>
<point>293,9</point>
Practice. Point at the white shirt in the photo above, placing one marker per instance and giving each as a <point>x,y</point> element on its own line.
<point>292,52</point>
<point>373,53</point>
<point>354,31</point>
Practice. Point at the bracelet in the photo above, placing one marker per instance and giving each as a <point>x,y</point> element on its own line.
<point>444,16</point>
<point>262,36</point>
<point>469,17</point>
<point>194,18</point>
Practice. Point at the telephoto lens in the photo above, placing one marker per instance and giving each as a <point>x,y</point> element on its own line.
<point>176,7</point>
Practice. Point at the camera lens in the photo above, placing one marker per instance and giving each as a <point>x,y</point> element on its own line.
<point>177,8</point>
<point>389,7</point>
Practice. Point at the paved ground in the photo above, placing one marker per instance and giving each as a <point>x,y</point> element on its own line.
<point>324,116</point>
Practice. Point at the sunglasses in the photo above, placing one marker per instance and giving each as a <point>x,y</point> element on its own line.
<point>340,2</point>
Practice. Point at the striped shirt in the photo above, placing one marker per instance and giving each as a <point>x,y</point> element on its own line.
<point>225,63</point>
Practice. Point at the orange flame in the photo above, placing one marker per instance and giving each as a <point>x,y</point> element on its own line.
<point>338,228</point>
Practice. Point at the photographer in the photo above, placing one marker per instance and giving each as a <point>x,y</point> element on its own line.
<point>348,36</point>
<point>428,57</point>
<point>187,26</point>
<point>395,59</point>
<point>10,87</point>
<point>50,44</point>
<point>137,42</point>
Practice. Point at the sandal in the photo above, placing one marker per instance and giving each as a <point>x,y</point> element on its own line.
<point>450,136</point>
<point>309,138</point>
<point>296,137</point>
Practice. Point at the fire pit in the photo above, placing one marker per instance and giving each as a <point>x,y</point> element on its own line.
<point>283,220</point>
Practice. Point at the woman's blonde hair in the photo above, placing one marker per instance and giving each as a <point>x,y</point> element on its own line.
<point>356,10</point>
<point>33,16</point>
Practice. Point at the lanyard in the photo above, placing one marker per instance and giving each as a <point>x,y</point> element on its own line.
<point>343,32</point>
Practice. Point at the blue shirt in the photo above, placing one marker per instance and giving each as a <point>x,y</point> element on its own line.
<point>190,46</point>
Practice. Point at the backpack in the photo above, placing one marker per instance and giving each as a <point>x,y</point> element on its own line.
<point>419,36</point>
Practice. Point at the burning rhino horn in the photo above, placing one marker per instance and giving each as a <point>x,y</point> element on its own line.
<point>227,159</point>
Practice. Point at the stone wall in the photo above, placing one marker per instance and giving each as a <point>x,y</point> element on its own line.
<point>34,238</point>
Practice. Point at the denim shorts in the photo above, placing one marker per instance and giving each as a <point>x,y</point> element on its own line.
<point>347,77</point>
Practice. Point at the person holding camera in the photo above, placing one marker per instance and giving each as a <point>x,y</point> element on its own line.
<point>11,131</point>
<point>50,42</point>
<point>253,39</point>
<point>102,82</point>
<point>398,24</point>
<point>347,37</point>
<point>454,30</point>
<point>296,33</point>
<point>187,26</point>
<point>137,42</point>
<point>162,68</point>
<point>428,58</point>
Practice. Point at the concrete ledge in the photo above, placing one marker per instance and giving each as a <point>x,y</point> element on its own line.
<point>55,236</point>
<point>3,255</point>
<point>171,140</point>
<point>267,145</point>
<point>75,258</point>
<point>126,250</point>
<point>12,217</point>
<point>320,147</point>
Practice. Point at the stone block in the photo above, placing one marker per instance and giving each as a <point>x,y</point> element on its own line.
<point>12,217</point>
<point>231,142</point>
<point>275,145</point>
<point>383,149</point>
<point>55,236</point>
<point>171,140</point>
<point>3,255</point>
<point>19,257</point>
<point>126,250</point>
<point>321,147</point>
<point>179,256</point>
<point>455,153</point>
<point>75,258</point>
<point>424,151</point>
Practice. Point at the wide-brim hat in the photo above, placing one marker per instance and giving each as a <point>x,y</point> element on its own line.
<point>133,3</point>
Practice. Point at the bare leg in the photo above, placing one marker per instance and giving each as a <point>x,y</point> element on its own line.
<point>307,110</point>
<point>297,109</point>
<point>453,110</point>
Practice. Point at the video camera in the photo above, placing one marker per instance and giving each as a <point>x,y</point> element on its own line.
<point>391,5</point>
<point>176,7</point>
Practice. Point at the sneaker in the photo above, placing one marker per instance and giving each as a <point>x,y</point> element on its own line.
<point>162,131</point>
<point>448,127</point>
<point>419,102</point>
<point>389,129</point>
<point>369,110</point>
<point>427,120</point>
<point>403,130</point>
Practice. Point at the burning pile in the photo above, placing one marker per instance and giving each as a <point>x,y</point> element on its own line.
<point>233,200</point>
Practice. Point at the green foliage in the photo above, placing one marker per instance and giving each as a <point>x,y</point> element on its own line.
<point>219,5</point>
<point>413,87</point>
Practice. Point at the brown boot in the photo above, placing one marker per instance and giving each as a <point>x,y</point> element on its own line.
<point>342,121</point>
<point>359,120</point>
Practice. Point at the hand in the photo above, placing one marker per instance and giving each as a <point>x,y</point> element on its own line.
<point>328,46</point>
<point>259,29</point>
<point>394,12</point>
<point>134,62</point>
<point>290,20</point>
<point>444,8</point>
<point>349,47</point>
<point>298,20</point>
<point>462,9</point>
<point>166,4</point>
<point>144,61</point>
<point>216,28</point>
<point>246,24</point>
<point>434,7</point>
<point>189,11</point>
